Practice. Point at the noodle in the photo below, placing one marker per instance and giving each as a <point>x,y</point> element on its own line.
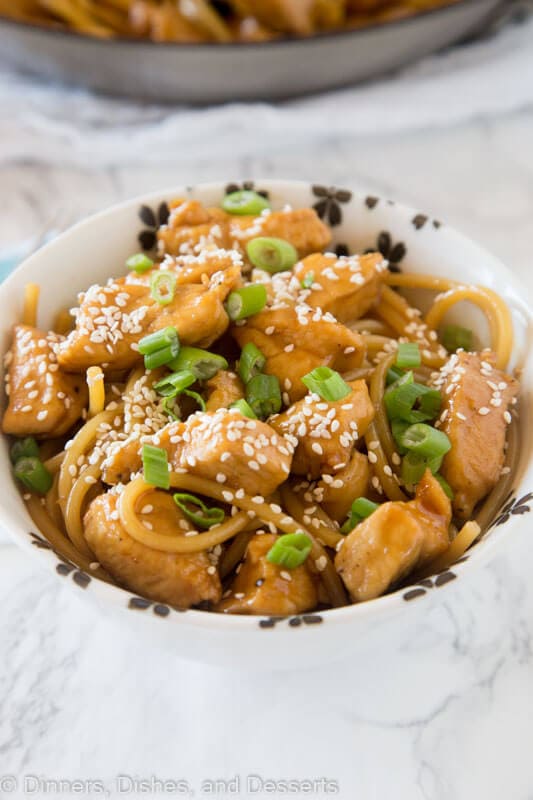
<point>31,302</point>
<point>95,382</point>
<point>464,539</point>
<point>496,311</point>
<point>205,21</point>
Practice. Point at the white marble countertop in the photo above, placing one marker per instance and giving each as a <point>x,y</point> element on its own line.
<point>448,717</point>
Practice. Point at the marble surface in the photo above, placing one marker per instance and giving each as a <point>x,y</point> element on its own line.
<point>448,716</point>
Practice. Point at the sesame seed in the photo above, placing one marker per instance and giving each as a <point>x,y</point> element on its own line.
<point>507,417</point>
<point>372,457</point>
<point>317,448</point>
<point>211,570</point>
<point>321,563</point>
<point>483,411</point>
<point>285,575</point>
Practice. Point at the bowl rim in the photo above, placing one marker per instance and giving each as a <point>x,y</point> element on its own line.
<point>220,622</point>
<point>226,46</point>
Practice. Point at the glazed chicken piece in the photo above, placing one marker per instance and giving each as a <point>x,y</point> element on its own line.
<point>393,540</point>
<point>295,339</point>
<point>191,226</point>
<point>43,401</point>
<point>222,446</point>
<point>323,433</point>
<point>476,398</point>
<point>338,491</point>
<point>112,319</point>
<point>224,388</point>
<point>262,588</point>
<point>346,286</point>
<point>180,579</point>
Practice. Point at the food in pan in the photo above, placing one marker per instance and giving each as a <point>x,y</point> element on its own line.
<point>204,21</point>
<point>248,423</point>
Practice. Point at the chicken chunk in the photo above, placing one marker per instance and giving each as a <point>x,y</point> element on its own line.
<point>112,319</point>
<point>476,397</point>
<point>221,446</point>
<point>182,580</point>
<point>191,227</point>
<point>224,388</point>
<point>262,588</point>
<point>43,401</point>
<point>345,286</point>
<point>323,433</point>
<point>296,339</point>
<point>393,540</point>
<point>339,491</point>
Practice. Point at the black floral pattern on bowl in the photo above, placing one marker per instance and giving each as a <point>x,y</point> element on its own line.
<point>293,622</point>
<point>419,220</point>
<point>421,587</point>
<point>394,252</point>
<point>63,568</point>
<point>513,507</point>
<point>152,219</point>
<point>328,207</point>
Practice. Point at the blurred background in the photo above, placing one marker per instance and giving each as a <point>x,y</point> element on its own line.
<point>430,103</point>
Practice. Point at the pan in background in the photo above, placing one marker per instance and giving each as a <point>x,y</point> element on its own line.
<point>207,73</point>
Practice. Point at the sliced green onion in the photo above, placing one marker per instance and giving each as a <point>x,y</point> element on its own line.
<point>414,466</point>
<point>24,448</point>
<point>163,286</point>
<point>196,397</point>
<point>308,280</point>
<point>327,383</point>
<point>290,550</point>
<point>408,355</point>
<point>203,363</point>
<point>454,337</point>
<point>155,466</point>
<point>251,362</point>
<point>244,202</point>
<point>171,385</point>
<point>263,395</point>
<point>360,510</point>
<point>400,399</point>
<point>425,440</point>
<point>139,263</point>
<point>244,407</point>
<point>159,348</point>
<point>204,517</point>
<point>247,301</point>
<point>31,471</point>
<point>394,374</point>
<point>169,407</point>
<point>271,254</point>
<point>398,428</point>
<point>447,489</point>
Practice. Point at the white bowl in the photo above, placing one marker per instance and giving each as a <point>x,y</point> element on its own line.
<point>95,249</point>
